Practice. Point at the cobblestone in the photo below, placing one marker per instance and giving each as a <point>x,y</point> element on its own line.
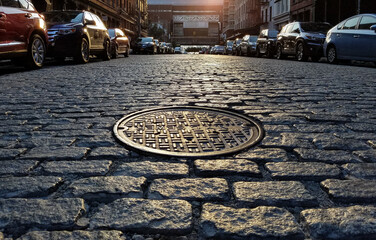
<point>158,216</point>
<point>152,169</point>
<point>362,191</point>
<point>362,170</point>
<point>74,235</point>
<point>220,222</point>
<point>283,193</point>
<point>16,167</point>
<point>265,155</point>
<point>367,156</point>
<point>355,222</point>
<point>220,167</point>
<point>54,153</point>
<point>189,189</point>
<point>82,168</point>
<point>329,156</point>
<point>302,171</point>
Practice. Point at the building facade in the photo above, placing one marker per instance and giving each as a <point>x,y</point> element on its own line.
<point>129,15</point>
<point>188,24</point>
<point>267,7</point>
<point>281,13</point>
<point>228,18</point>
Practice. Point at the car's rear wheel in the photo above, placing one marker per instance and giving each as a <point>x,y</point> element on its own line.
<point>36,52</point>
<point>83,52</point>
<point>116,52</point>
<point>106,55</point>
<point>331,55</point>
<point>280,54</point>
<point>300,53</point>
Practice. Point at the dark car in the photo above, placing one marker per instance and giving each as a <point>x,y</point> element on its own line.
<point>248,45</point>
<point>352,39</point>
<point>229,47</point>
<point>220,50</point>
<point>302,40</point>
<point>236,47</point>
<point>23,33</point>
<point>170,48</point>
<point>77,34</point>
<point>119,42</point>
<point>266,43</point>
<point>145,45</point>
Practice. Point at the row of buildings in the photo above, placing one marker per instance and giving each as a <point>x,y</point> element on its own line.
<point>250,16</point>
<point>129,15</point>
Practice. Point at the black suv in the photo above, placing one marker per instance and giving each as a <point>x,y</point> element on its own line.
<point>303,40</point>
<point>266,43</point>
<point>77,34</point>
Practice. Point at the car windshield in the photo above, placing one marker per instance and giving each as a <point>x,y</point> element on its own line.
<point>230,43</point>
<point>145,40</point>
<point>238,41</point>
<point>221,47</point>
<point>64,17</point>
<point>273,34</point>
<point>315,27</point>
<point>253,38</point>
<point>111,32</point>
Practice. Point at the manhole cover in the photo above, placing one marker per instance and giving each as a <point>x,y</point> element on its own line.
<point>188,131</point>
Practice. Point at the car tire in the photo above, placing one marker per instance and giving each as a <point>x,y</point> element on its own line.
<point>269,53</point>
<point>258,54</point>
<point>115,54</point>
<point>280,54</point>
<point>83,52</point>
<point>331,55</point>
<point>36,52</point>
<point>106,55</point>
<point>301,55</point>
<point>126,54</point>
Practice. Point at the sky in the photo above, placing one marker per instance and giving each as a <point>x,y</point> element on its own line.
<point>186,2</point>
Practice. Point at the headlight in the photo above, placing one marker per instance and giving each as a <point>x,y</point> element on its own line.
<point>66,31</point>
<point>42,24</point>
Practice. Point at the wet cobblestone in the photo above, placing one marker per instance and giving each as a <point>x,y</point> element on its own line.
<point>63,175</point>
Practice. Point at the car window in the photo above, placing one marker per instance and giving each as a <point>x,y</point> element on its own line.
<point>289,28</point>
<point>111,32</point>
<point>295,28</point>
<point>98,21</point>
<point>63,17</point>
<point>273,34</point>
<point>120,33</point>
<point>24,4</point>
<point>367,22</point>
<point>253,38</point>
<point>88,17</point>
<point>340,25</point>
<point>351,23</point>
<point>11,3</point>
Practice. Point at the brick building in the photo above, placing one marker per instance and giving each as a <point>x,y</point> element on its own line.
<point>228,18</point>
<point>187,24</point>
<point>129,15</point>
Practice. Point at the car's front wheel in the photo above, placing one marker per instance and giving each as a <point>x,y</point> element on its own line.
<point>106,55</point>
<point>280,54</point>
<point>300,53</point>
<point>83,52</point>
<point>331,55</point>
<point>36,52</point>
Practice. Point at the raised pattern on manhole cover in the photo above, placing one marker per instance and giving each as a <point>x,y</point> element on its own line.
<point>188,131</point>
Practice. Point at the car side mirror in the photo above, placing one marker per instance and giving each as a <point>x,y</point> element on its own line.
<point>89,22</point>
<point>373,27</point>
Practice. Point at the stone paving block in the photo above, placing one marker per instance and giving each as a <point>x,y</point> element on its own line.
<point>82,168</point>
<point>108,153</point>
<point>361,127</point>
<point>367,155</point>
<point>19,187</point>
<point>327,118</point>
<point>361,170</point>
<point>296,140</point>
<point>341,144</point>
<point>355,222</point>
<point>283,193</point>
<point>7,154</point>
<point>307,171</point>
<point>51,142</point>
<point>351,191</point>
<point>320,128</point>
<point>55,153</point>
<point>265,155</point>
<point>189,189</point>
<point>171,216</point>
<point>152,169</point>
<point>226,167</point>
<point>19,213</point>
<point>96,142</point>
<point>73,235</point>
<point>327,156</point>
<point>105,189</point>
<point>372,143</point>
<point>272,223</point>
<point>16,167</point>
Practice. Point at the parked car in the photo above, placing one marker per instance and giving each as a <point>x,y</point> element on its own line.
<point>119,42</point>
<point>23,34</point>
<point>156,41</point>
<point>352,39</point>
<point>236,47</point>
<point>162,47</point>
<point>229,47</point>
<point>220,50</point>
<point>145,45</point>
<point>213,50</point>
<point>302,40</point>
<point>266,43</point>
<point>169,48</point>
<point>248,45</point>
<point>77,34</point>
<point>178,50</point>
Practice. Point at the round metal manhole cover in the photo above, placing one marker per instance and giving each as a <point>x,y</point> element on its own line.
<point>188,131</point>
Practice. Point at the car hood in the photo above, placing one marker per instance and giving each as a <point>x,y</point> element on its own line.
<point>62,25</point>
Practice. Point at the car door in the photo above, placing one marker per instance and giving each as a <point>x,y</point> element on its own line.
<point>366,39</point>
<point>101,31</point>
<point>122,40</point>
<point>91,30</point>
<point>349,39</point>
<point>16,23</point>
<point>292,38</point>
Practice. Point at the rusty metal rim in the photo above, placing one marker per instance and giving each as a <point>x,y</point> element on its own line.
<point>146,150</point>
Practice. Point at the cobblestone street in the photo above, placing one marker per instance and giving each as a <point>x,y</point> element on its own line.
<point>64,175</point>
